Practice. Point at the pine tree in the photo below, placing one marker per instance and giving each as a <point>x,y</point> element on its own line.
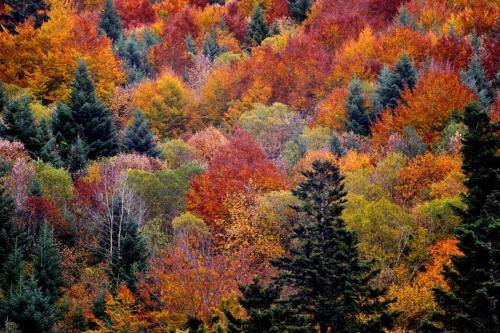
<point>48,152</point>
<point>475,76</point>
<point>134,55</point>
<point>7,225</point>
<point>299,9</point>
<point>110,23</point>
<point>91,117</point>
<point>64,129</point>
<point>12,270</point>
<point>19,125</point>
<point>210,47</point>
<point>257,30</point>
<point>28,308</point>
<point>358,118</point>
<point>329,282</point>
<point>3,98</point>
<point>472,302</point>
<point>336,146</point>
<point>191,46</point>
<point>47,265</point>
<point>77,158</point>
<point>20,11</point>
<point>138,137</point>
<point>391,83</point>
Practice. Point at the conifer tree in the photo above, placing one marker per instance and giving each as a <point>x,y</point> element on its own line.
<point>47,264</point>
<point>134,55</point>
<point>358,118</point>
<point>28,308</point>
<point>64,129</point>
<point>472,302</point>
<point>110,23</point>
<point>329,282</point>
<point>19,125</point>
<point>77,158</point>
<point>3,98</point>
<point>475,76</point>
<point>7,226</point>
<point>12,270</point>
<point>210,47</point>
<point>407,72</point>
<point>257,30</point>
<point>191,46</point>
<point>138,137</point>
<point>299,9</point>
<point>336,146</point>
<point>48,152</point>
<point>92,118</point>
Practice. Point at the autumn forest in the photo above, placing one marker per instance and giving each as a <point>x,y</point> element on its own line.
<point>249,166</point>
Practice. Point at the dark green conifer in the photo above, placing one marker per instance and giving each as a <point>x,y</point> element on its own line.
<point>77,158</point>
<point>191,46</point>
<point>7,225</point>
<point>299,9</point>
<point>358,119</point>
<point>257,30</point>
<point>330,285</point>
<point>28,308</point>
<point>110,23</point>
<point>134,55</point>
<point>12,271</point>
<point>407,72</point>
<point>64,129</point>
<point>472,302</point>
<point>138,137</point>
<point>47,264</point>
<point>336,146</point>
<point>19,125</point>
<point>92,117</point>
<point>210,47</point>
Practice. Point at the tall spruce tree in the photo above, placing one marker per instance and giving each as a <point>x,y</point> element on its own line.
<point>138,137</point>
<point>329,283</point>
<point>391,83</point>
<point>257,30</point>
<point>358,118</point>
<point>28,308</point>
<point>134,54</point>
<point>299,9</point>
<point>210,47</point>
<point>92,119</point>
<point>475,76</point>
<point>472,303</point>
<point>12,271</point>
<point>48,152</point>
<point>7,226</point>
<point>77,158</point>
<point>64,129</point>
<point>19,125</point>
<point>110,23</point>
<point>47,264</point>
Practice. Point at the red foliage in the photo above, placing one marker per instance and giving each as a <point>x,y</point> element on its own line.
<point>235,21</point>
<point>135,13</point>
<point>237,165</point>
<point>41,210</point>
<point>452,51</point>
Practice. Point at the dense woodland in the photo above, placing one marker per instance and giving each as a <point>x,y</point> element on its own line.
<point>253,166</point>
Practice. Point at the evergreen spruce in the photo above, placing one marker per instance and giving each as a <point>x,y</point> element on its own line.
<point>47,265</point>
<point>330,284</point>
<point>64,129</point>
<point>299,9</point>
<point>407,72</point>
<point>138,137</point>
<point>19,125</point>
<point>358,118</point>
<point>92,118</point>
<point>12,271</point>
<point>257,30</point>
<point>7,226</point>
<point>48,152</point>
<point>475,76</point>
<point>77,158</point>
<point>28,308</point>
<point>110,23</point>
<point>210,47</point>
<point>3,98</point>
<point>336,146</point>
<point>472,304</point>
<point>134,55</point>
<point>191,46</point>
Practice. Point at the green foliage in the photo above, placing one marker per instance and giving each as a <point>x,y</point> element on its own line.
<point>358,119</point>
<point>299,9</point>
<point>12,271</point>
<point>177,153</point>
<point>110,23</point>
<point>405,19</point>
<point>336,146</point>
<point>412,144</point>
<point>47,265</point>
<point>188,222</point>
<point>330,284</point>
<point>475,76</point>
<point>19,125</point>
<point>211,48</point>
<point>138,138</point>
<point>191,46</point>
<point>28,308</point>
<point>134,54</point>
<point>469,305</point>
<point>440,217</point>
<point>78,156</point>
<point>55,184</point>
<point>257,30</point>
<point>7,225</point>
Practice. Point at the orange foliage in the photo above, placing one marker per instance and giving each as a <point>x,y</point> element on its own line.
<point>391,46</point>
<point>233,168</point>
<point>332,111</point>
<point>428,107</point>
<point>416,177</point>
<point>135,13</point>
<point>353,161</point>
<point>208,142</point>
<point>305,163</point>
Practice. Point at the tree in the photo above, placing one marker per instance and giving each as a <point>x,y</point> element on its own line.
<point>475,76</point>
<point>19,11</point>
<point>47,265</point>
<point>210,46</point>
<point>19,125</point>
<point>28,308</point>
<point>299,9</point>
<point>48,152</point>
<point>257,30</point>
<point>358,118</point>
<point>407,72</point>
<point>134,54</point>
<point>92,118</point>
<point>138,138</point>
<point>330,284</point>
<point>471,303</point>
<point>110,23</point>
<point>64,129</point>
<point>78,156</point>
<point>12,271</point>
<point>7,225</point>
